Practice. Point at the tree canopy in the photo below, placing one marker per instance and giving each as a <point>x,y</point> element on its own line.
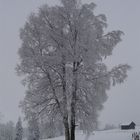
<point>62,60</point>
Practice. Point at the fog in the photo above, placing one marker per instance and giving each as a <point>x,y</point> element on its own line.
<point>123,102</point>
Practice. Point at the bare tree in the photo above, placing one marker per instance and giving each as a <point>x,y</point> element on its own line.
<point>62,58</point>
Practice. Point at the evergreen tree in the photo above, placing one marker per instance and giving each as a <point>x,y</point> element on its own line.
<point>33,129</point>
<point>19,130</point>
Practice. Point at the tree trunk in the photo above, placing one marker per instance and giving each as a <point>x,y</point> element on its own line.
<point>72,126</point>
<point>65,102</point>
<point>67,134</point>
<point>72,122</point>
<point>73,102</point>
<point>66,125</point>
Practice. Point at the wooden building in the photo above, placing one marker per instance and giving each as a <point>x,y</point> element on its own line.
<point>128,126</point>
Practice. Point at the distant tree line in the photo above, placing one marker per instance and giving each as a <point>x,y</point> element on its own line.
<point>35,129</point>
<point>7,131</point>
<point>10,131</point>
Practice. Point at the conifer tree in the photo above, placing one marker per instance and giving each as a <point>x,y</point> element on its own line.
<point>33,129</point>
<point>19,130</point>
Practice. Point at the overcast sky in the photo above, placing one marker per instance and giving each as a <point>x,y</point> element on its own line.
<point>124,100</point>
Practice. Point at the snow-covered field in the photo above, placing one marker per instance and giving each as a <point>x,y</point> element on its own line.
<point>114,134</point>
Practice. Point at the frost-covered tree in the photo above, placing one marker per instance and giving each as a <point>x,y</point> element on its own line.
<point>7,131</point>
<point>33,128</point>
<point>19,130</point>
<point>62,58</point>
<point>9,134</point>
<point>51,128</point>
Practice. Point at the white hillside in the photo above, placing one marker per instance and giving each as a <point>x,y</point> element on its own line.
<point>115,134</point>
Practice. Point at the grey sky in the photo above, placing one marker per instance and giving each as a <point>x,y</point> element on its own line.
<point>124,100</point>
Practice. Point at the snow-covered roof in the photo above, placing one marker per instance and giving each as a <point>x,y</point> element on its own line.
<point>126,123</point>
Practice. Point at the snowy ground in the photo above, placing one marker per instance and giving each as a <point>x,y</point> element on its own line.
<point>115,134</point>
